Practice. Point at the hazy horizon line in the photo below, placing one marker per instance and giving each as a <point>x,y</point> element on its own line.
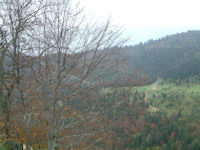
<point>143,34</point>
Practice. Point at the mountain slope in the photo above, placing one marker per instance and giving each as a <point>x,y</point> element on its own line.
<point>176,56</point>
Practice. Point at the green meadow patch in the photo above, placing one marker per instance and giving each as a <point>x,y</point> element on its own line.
<point>169,98</point>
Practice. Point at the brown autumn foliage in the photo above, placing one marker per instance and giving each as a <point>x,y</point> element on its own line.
<point>49,101</point>
<point>128,123</point>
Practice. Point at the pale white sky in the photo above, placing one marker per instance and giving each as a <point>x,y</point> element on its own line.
<point>147,19</point>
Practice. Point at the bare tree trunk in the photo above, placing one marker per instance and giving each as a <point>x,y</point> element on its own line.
<point>28,135</point>
<point>52,143</point>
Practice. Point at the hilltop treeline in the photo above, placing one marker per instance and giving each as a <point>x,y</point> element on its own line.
<point>176,56</point>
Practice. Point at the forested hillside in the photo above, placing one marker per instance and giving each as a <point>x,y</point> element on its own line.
<point>164,113</point>
<point>68,83</point>
<point>176,56</point>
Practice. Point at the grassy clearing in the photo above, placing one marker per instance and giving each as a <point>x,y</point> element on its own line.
<point>171,98</point>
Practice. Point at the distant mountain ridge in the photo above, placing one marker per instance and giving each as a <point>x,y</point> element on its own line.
<point>175,56</point>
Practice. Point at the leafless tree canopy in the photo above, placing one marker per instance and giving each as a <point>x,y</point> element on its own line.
<point>51,48</point>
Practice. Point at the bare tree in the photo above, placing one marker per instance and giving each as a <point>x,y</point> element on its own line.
<point>6,86</point>
<point>56,47</point>
<point>17,19</point>
<point>68,51</point>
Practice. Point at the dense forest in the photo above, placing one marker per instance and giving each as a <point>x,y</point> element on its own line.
<point>176,56</point>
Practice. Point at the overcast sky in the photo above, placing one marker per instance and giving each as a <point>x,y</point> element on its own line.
<point>148,19</point>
